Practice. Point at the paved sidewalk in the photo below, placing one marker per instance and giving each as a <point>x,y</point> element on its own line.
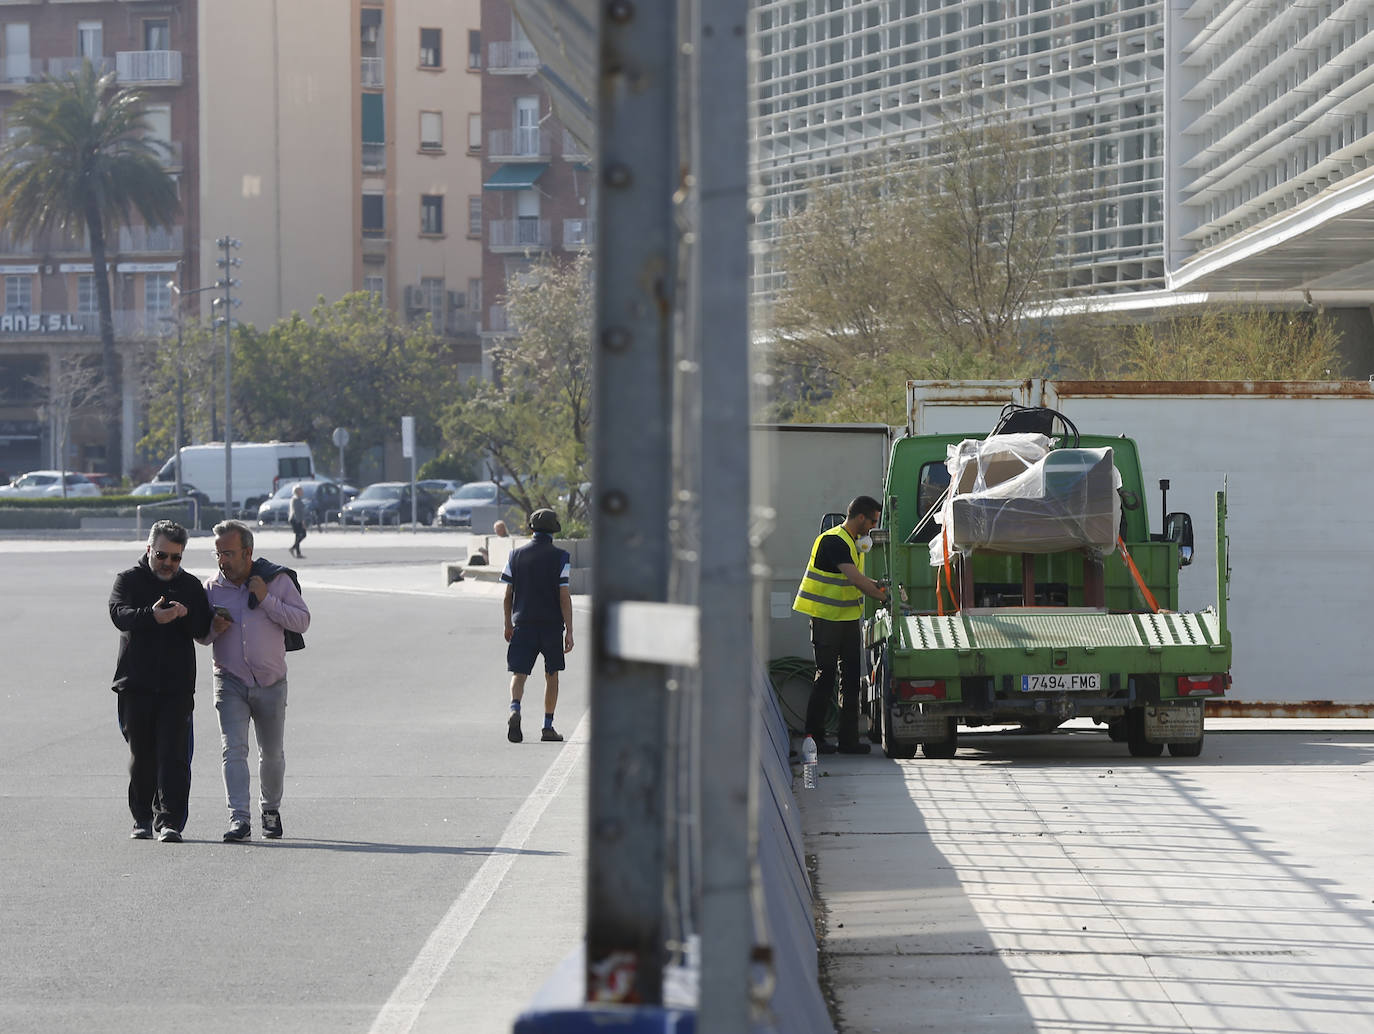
<point>1055,884</point>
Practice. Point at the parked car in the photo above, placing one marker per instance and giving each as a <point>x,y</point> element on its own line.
<point>323,501</point>
<point>457,511</point>
<point>158,488</point>
<point>441,487</point>
<point>387,502</point>
<point>104,482</point>
<point>43,484</point>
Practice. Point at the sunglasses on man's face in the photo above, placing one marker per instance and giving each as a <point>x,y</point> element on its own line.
<point>173,557</point>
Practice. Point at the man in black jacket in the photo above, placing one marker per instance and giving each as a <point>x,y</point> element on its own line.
<point>160,610</point>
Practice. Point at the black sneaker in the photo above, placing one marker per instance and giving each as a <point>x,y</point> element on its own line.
<point>168,835</point>
<point>825,747</point>
<point>513,732</point>
<point>271,825</point>
<point>141,832</point>
<point>550,735</point>
<point>237,832</point>
<point>856,747</point>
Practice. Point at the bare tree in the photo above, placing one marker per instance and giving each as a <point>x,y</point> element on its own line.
<point>75,383</point>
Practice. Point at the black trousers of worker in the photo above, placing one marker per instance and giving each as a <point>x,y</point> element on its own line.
<point>158,728</point>
<point>837,646</point>
<point>299,528</point>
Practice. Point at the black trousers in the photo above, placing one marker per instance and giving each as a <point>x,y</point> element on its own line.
<point>158,728</point>
<point>837,647</point>
<point>299,528</point>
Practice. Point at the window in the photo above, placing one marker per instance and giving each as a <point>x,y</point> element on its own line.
<point>475,293</point>
<point>431,214</point>
<point>18,293</point>
<point>933,481</point>
<point>157,295</point>
<point>474,49</point>
<point>88,40</point>
<point>432,299</point>
<point>431,48</point>
<point>18,67</point>
<point>431,131</point>
<point>375,286</point>
<point>526,126</point>
<point>475,215</point>
<point>86,302</point>
<point>474,133</point>
<point>157,34</point>
<point>374,215</point>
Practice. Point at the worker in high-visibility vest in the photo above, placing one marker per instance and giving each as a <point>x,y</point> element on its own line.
<point>831,595</point>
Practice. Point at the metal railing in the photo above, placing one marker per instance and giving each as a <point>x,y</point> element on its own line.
<point>579,233</point>
<point>148,66</point>
<point>373,71</point>
<point>150,238</point>
<point>521,142</point>
<point>511,55</point>
<point>374,155</point>
<point>518,233</point>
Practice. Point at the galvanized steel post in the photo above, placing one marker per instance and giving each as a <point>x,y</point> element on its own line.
<point>637,163</point>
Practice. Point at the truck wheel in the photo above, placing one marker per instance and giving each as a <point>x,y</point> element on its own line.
<point>893,748</point>
<point>947,747</point>
<point>1116,730</point>
<point>1136,742</point>
<point>1185,750</point>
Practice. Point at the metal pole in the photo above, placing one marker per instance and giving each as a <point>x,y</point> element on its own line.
<point>228,384</point>
<point>636,246</point>
<point>181,411</point>
<point>719,311</point>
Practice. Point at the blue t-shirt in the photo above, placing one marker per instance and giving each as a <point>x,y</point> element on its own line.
<point>537,571</point>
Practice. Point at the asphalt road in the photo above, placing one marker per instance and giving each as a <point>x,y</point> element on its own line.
<point>431,876</point>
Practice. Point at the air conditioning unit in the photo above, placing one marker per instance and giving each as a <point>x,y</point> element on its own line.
<point>457,300</point>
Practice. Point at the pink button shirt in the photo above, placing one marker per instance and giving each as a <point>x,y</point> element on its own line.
<point>252,649</point>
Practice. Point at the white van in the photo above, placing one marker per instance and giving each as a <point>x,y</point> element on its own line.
<point>258,469</point>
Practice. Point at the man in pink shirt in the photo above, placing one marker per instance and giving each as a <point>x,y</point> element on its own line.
<point>259,614</point>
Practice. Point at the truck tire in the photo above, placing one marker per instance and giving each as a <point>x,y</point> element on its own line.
<point>892,747</point>
<point>1185,750</point>
<point>1136,742</point>
<point>947,747</point>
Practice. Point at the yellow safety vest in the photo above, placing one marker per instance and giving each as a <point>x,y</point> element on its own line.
<point>829,594</point>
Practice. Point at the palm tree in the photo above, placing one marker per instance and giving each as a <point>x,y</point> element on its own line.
<point>79,157</point>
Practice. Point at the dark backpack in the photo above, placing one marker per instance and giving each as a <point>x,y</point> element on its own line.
<point>266,570</point>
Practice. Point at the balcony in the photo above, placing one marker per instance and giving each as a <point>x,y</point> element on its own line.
<point>524,144</point>
<point>512,58</point>
<point>375,244</point>
<point>373,72</point>
<point>374,156</point>
<point>578,234</point>
<point>61,67</point>
<point>521,234</point>
<point>574,150</point>
<point>150,239</point>
<point>18,69</point>
<point>154,67</point>
<point>498,322</point>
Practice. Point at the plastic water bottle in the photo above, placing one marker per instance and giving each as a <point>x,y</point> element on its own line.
<point>809,763</point>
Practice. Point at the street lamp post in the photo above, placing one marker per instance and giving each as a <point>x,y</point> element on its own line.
<point>227,302</point>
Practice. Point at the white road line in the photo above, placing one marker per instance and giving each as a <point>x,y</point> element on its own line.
<point>402,1009</point>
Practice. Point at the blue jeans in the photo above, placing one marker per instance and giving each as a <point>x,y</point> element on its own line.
<point>265,706</point>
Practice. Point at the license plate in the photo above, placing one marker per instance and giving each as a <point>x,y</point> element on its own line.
<point>1061,683</point>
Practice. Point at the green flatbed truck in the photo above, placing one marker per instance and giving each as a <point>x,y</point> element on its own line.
<point>1001,617</point>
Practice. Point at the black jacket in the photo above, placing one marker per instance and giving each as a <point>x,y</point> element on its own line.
<point>157,658</point>
<point>267,570</point>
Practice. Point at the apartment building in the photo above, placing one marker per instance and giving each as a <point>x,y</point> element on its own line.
<point>50,307</point>
<point>1226,144</point>
<point>538,193</point>
<point>340,151</point>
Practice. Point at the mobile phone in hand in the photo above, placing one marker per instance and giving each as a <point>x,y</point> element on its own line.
<point>223,612</point>
<point>165,604</point>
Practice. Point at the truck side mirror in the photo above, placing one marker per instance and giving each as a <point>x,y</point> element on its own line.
<point>830,520</point>
<point>1178,528</point>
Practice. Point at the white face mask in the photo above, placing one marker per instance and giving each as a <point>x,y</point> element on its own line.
<point>865,543</point>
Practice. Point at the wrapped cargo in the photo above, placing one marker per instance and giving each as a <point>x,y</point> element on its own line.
<point>1013,494</point>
